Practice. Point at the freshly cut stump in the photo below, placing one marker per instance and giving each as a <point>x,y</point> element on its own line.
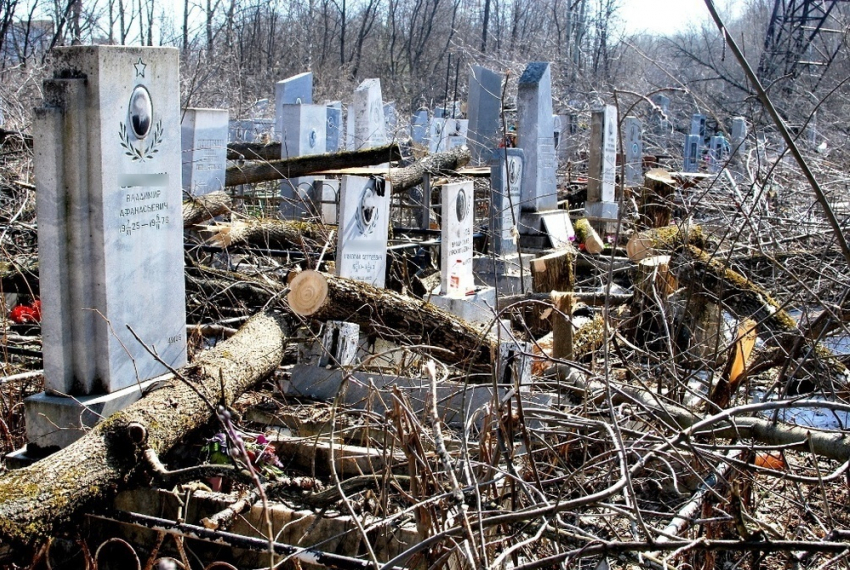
<point>308,292</point>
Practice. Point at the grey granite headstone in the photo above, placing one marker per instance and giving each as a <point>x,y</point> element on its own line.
<point>698,125</point>
<point>515,365</point>
<point>369,124</point>
<point>739,144</point>
<point>602,159</point>
<point>326,199</point>
<point>295,90</point>
<point>419,126</point>
<point>536,138</point>
<point>505,195</point>
<point>456,235</point>
<point>718,153</point>
<point>333,130</point>
<point>483,109</point>
<point>302,130</point>
<point>203,133</point>
<point>110,231</point>
<point>692,155</point>
<point>361,251</point>
<point>633,141</point>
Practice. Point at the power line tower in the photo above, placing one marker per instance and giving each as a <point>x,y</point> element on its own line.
<point>799,40</point>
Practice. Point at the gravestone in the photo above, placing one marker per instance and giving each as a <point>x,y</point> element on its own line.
<point>419,127</point>
<point>455,133</point>
<point>718,153</point>
<point>483,109</point>
<point>251,130</point>
<point>295,90</point>
<point>369,123</point>
<point>467,302</point>
<point>692,154</point>
<point>698,125</point>
<point>326,199</point>
<point>501,267</point>
<point>333,131</point>
<point>634,151</point>
<point>110,232</point>
<point>349,127</point>
<point>535,136</point>
<point>390,120</point>
<point>203,133</point>
<point>602,166</point>
<point>557,131</point>
<point>739,144</point>
<point>363,229</point>
<point>456,235</point>
<point>303,130</point>
<point>437,137</point>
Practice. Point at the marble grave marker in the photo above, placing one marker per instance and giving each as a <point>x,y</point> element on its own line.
<point>456,234</point>
<point>363,229</point>
<point>204,143</point>
<point>535,136</point>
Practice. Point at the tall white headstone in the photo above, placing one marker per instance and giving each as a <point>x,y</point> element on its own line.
<point>361,251</point>
<point>633,141</point>
<point>535,136</point>
<point>303,131</point>
<point>110,232</point>
<point>204,142</point>
<point>602,165</point>
<point>484,108</point>
<point>369,123</point>
<point>505,196</point>
<point>456,236</point>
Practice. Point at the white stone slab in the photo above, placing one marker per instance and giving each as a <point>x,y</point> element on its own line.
<point>203,133</point>
<point>369,124</point>
<point>602,159</point>
<point>363,229</point>
<point>458,200</point>
<point>455,133</point>
<point>295,90</point>
<point>107,164</point>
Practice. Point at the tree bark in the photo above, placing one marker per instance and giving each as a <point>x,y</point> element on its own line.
<point>554,272</point>
<point>36,501</point>
<point>655,206</point>
<point>304,165</point>
<point>202,208</point>
<point>273,234</point>
<point>439,164</point>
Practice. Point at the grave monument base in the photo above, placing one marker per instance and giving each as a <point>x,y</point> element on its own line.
<point>504,273</point>
<point>552,224</point>
<point>478,308</point>
<point>58,421</point>
<point>601,211</point>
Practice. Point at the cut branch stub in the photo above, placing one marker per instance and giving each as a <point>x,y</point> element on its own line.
<point>308,292</point>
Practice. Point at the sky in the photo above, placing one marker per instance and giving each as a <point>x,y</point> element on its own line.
<point>663,16</point>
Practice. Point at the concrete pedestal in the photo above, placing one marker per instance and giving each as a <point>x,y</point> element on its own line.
<point>504,273</point>
<point>58,421</point>
<point>478,308</point>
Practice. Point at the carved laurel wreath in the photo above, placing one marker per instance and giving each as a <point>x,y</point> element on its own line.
<point>136,154</point>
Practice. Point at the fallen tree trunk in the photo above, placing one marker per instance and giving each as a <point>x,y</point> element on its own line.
<point>273,234</point>
<point>202,208</point>
<point>36,501</point>
<point>253,151</point>
<point>304,165</point>
<point>385,313</point>
<point>439,164</point>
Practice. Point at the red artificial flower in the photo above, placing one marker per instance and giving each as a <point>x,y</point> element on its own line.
<point>22,314</point>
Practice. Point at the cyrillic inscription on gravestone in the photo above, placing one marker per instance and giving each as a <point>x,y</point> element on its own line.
<point>363,229</point>
<point>456,235</point>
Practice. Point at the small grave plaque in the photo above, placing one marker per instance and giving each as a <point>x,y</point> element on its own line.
<point>363,229</point>
<point>456,235</point>
<point>204,143</point>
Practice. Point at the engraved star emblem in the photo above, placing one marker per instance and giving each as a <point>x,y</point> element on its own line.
<point>140,68</point>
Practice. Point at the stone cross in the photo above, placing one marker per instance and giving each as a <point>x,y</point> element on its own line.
<point>505,196</point>
<point>535,136</point>
<point>110,230</point>
<point>633,151</point>
<point>458,202</point>
<point>363,229</point>
<point>204,144</point>
<point>484,110</point>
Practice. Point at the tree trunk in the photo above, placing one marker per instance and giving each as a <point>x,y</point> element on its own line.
<point>202,208</point>
<point>274,234</point>
<point>304,165</point>
<point>439,164</point>
<point>655,206</point>
<point>554,272</point>
<point>37,500</point>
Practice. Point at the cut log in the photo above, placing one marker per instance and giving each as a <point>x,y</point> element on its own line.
<point>308,293</point>
<point>562,326</point>
<point>304,165</point>
<point>253,151</point>
<point>661,241</point>
<point>268,233</point>
<point>655,207</point>
<point>202,208</point>
<point>554,272</point>
<point>439,164</point>
<point>585,234</point>
<point>36,501</point>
